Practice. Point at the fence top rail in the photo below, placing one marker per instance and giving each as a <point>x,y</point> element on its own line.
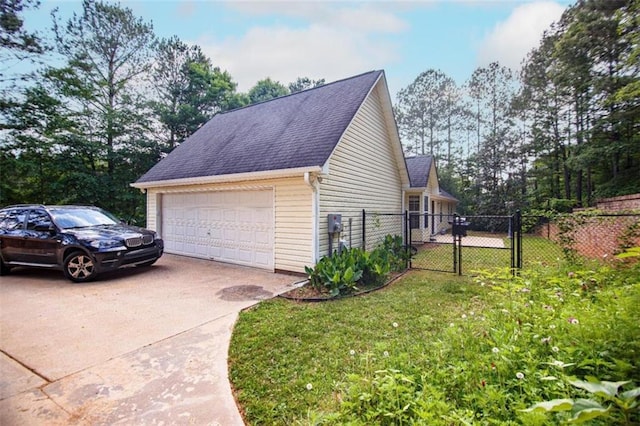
<point>586,215</point>
<point>383,214</point>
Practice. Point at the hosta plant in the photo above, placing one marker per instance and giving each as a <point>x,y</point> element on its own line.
<point>606,397</point>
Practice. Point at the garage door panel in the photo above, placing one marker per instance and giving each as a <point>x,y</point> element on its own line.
<point>245,255</point>
<point>263,258</point>
<point>262,237</point>
<point>245,215</point>
<point>215,252</point>
<point>230,236</point>
<point>234,227</point>
<point>245,236</point>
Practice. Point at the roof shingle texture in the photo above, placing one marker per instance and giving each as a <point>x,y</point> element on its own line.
<point>419,168</point>
<point>298,130</point>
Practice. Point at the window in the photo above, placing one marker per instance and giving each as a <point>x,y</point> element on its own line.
<point>37,217</point>
<point>12,220</point>
<point>414,203</point>
<point>414,210</point>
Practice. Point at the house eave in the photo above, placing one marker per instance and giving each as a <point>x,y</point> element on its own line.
<point>437,197</point>
<point>235,177</point>
<point>444,198</point>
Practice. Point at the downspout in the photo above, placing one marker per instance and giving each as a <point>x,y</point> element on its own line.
<point>402,210</point>
<point>314,185</point>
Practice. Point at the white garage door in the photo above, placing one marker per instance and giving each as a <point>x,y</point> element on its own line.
<point>234,226</point>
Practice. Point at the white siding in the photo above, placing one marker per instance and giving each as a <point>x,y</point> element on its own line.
<point>363,174</point>
<point>293,248</point>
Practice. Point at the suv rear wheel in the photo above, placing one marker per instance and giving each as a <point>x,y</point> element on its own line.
<point>79,267</point>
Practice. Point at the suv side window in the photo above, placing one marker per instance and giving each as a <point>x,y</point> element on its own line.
<point>12,220</point>
<point>37,217</point>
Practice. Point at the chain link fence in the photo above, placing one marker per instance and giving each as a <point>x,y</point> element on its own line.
<point>462,243</point>
<point>504,241</point>
<point>378,225</point>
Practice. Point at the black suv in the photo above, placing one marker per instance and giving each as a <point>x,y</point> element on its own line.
<point>83,241</point>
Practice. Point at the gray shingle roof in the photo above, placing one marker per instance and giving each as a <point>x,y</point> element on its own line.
<point>298,130</point>
<point>445,194</point>
<point>419,168</point>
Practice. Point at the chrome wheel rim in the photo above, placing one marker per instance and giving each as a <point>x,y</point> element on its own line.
<point>80,267</point>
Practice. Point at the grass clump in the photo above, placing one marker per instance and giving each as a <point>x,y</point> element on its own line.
<point>440,349</point>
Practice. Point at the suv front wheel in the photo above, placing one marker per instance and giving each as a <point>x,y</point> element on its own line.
<point>79,267</point>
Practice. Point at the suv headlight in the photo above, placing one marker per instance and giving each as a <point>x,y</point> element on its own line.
<point>107,245</point>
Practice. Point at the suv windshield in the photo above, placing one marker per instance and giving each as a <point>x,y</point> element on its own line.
<point>80,218</point>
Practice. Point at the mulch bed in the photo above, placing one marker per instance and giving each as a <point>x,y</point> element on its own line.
<point>306,293</point>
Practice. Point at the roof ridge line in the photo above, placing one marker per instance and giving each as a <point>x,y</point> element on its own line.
<point>296,93</point>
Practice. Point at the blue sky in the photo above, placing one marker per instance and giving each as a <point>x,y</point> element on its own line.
<point>336,39</point>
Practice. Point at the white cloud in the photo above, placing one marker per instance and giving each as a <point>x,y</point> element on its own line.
<point>332,43</point>
<point>186,9</point>
<point>362,16</point>
<point>511,40</point>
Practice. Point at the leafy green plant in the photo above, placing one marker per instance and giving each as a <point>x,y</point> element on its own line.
<point>583,410</point>
<point>344,272</point>
<point>338,274</point>
<point>397,254</point>
<point>630,252</point>
<point>390,397</point>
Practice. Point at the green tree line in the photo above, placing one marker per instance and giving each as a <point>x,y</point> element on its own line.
<point>105,101</point>
<point>560,134</point>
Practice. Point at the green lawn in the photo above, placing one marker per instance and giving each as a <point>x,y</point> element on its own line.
<point>438,349</point>
<point>535,250</point>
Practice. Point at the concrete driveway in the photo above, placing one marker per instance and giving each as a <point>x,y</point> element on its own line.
<point>139,346</point>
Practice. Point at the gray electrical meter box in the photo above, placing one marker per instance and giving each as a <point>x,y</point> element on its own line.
<point>335,222</point>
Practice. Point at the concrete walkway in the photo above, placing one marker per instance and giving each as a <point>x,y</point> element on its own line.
<point>472,241</point>
<point>142,346</point>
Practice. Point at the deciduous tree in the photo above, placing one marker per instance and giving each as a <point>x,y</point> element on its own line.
<point>304,83</point>
<point>265,90</point>
<point>189,90</point>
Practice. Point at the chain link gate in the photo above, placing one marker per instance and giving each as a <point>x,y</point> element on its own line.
<point>464,243</point>
<point>450,243</point>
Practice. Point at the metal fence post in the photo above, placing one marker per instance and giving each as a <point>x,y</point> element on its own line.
<point>513,232</point>
<point>407,237</point>
<point>456,251</point>
<point>519,239</point>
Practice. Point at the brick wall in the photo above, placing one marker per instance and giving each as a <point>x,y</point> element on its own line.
<point>622,203</point>
<point>597,237</point>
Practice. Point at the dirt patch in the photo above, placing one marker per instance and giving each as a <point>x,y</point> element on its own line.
<point>239,293</point>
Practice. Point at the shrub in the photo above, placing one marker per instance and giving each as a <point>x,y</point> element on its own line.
<point>397,254</point>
